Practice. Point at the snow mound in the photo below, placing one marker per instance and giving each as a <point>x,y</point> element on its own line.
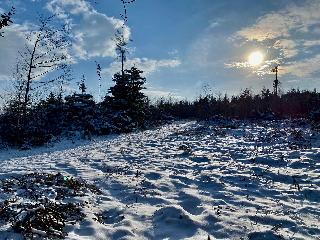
<point>173,222</point>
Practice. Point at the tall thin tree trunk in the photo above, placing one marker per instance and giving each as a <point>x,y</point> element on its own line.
<point>26,95</point>
<point>122,62</point>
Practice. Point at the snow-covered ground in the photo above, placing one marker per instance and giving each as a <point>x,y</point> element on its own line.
<point>189,180</point>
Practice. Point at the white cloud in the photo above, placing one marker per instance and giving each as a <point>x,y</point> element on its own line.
<point>15,48</point>
<point>311,43</point>
<point>303,68</point>
<point>260,70</point>
<point>270,26</point>
<point>288,48</point>
<point>283,23</point>
<point>93,32</point>
<point>238,65</point>
<point>156,93</point>
<point>148,66</point>
<point>9,45</point>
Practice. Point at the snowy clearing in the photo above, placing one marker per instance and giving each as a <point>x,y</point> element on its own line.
<point>188,180</point>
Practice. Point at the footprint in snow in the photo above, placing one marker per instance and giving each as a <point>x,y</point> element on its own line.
<point>190,203</point>
<point>111,216</point>
<point>153,176</point>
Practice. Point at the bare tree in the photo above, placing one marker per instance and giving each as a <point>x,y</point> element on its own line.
<point>44,60</point>
<point>5,19</point>
<point>120,39</point>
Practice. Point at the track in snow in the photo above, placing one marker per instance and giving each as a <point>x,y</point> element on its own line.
<point>190,180</point>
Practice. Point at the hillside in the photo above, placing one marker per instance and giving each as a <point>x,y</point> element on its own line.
<point>186,180</point>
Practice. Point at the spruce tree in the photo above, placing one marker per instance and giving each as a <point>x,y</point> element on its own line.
<point>82,85</point>
<point>126,101</point>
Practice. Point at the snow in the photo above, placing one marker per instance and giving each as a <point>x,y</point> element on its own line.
<point>189,180</point>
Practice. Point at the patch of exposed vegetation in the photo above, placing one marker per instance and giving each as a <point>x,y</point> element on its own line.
<point>39,205</point>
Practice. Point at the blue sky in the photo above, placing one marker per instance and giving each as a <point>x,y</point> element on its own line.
<point>184,46</point>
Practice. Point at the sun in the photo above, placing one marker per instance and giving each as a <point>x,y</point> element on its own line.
<point>255,58</point>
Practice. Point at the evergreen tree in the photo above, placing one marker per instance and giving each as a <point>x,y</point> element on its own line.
<point>82,85</point>
<point>127,103</point>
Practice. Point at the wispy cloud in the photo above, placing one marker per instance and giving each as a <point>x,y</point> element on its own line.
<point>261,70</point>
<point>13,41</point>
<point>283,23</point>
<point>311,43</point>
<point>304,68</point>
<point>214,24</point>
<point>287,47</point>
<point>156,93</point>
<point>148,66</point>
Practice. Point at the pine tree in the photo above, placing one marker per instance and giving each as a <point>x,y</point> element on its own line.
<point>127,102</point>
<point>137,99</point>
<point>82,85</point>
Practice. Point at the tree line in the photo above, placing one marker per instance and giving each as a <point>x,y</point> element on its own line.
<point>265,105</point>
<point>30,117</point>
<point>126,108</point>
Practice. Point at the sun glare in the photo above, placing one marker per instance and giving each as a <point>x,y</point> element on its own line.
<point>255,58</point>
